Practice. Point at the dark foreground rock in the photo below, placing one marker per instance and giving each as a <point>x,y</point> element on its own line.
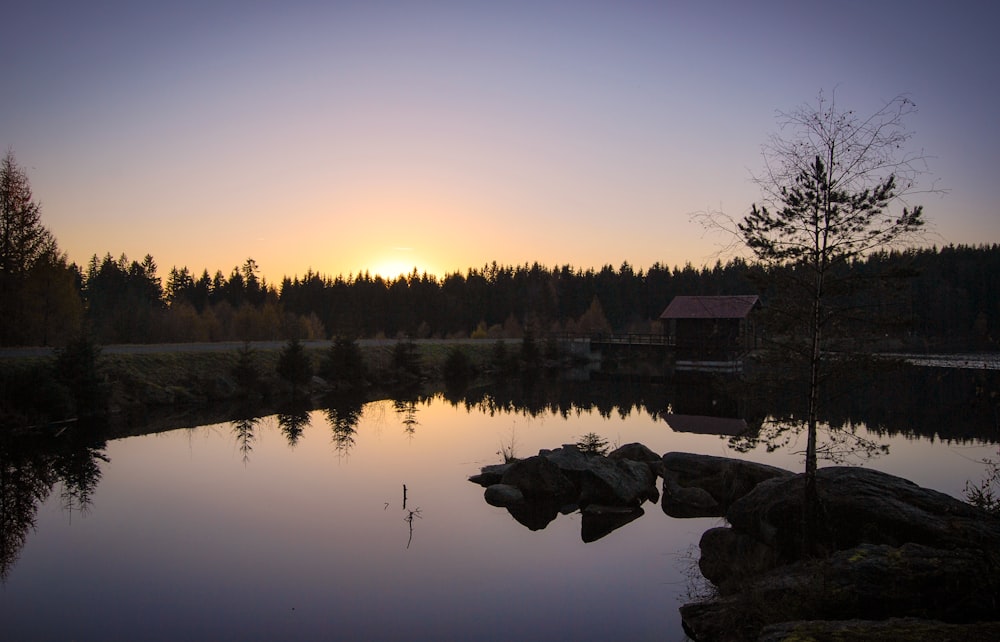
<point>608,490</point>
<point>503,495</point>
<point>705,486</point>
<point>861,505</point>
<point>892,630</point>
<point>869,582</point>
<point>893,550</point>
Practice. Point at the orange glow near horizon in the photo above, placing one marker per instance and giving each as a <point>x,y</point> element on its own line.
<point>398,261</point>
<point>327,138</point>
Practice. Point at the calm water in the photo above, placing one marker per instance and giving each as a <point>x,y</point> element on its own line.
<point>255,531</point>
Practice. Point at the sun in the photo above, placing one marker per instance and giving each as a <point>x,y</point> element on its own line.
<point>395,262</point>
<point>392,262</point>
<point>391,269</point>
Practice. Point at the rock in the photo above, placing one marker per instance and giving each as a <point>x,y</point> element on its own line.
<point>565,479</point>
<point>684,502</point>
<point>567,474</point>
<point>878,581</point>
<point>895,550</point>
<point>635,452</point>
<point>861,505</point>
<point>720,482</point>
<point>723,619</point>
<point>909,629</point>
<point>490,475</point>
<point>539,478</point>
<point>639,452</point>
<point>869,582</point>
<point>729,557</point>
<point>619,482</point>
<point>503,495</point>
<point>569,459</point>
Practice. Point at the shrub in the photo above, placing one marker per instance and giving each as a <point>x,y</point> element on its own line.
<point>457,366</point>
<point>531,356</point>
<point>294,365</point>
<point>406,361</point>
<point>593,444</point>
<point>245,371</point>
<point>344,364</point>
<point>500,359</point>
<point>986,494</point>
<point>78,367</point>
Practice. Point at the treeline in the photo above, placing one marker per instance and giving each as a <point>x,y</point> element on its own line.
<point>949,296</point>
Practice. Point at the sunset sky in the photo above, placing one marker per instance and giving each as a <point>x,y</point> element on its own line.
<point>382,136</point>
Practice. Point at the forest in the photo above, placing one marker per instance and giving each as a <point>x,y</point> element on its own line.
<point>929,298</point>
<point>945,298</point>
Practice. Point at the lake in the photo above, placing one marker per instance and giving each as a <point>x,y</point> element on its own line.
<point>297,525</point>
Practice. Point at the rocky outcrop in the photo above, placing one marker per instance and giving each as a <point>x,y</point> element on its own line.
<point>729,556</point>
<point>503,495</point>
<point>867,582</point>
<point>538,478</point>
<point>608,490</point>
<point>639,452</point>
<point>491,474</point>
<point>894,550</point>
<point>860,505</point>
<point>908,629</point>
<point>705,486</point>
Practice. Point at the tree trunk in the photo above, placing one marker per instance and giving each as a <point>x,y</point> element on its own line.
<point>811,505</point>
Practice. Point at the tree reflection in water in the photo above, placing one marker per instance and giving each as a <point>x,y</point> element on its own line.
<point>244,428</point>
<point>80,472</point>
<point>406,408</point>
<point>30,467</point>
<point>343,412</point>
<point>935,403</point>
<point>293,420</point>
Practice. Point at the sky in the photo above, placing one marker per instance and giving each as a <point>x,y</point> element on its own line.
<point>340,137</point>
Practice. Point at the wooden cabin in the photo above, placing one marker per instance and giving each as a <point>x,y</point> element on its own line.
<point>711,332</point>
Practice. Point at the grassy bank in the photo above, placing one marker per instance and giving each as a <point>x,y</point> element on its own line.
<point>31,390</point>
<point>171,377</point>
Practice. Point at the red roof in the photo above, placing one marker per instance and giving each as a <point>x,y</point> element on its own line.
<point>710,307</point>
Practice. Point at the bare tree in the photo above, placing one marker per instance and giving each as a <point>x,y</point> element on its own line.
<point>835,187</point>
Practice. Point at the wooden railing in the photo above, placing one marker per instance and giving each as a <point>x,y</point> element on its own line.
<point>634,339</point>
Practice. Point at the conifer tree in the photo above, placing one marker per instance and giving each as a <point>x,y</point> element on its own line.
<point>831,189</point>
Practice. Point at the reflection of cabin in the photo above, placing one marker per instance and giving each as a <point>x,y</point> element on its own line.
<point>702,425</point>
<point>711,332</point>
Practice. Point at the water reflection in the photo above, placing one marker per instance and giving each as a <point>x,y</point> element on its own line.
<point>856,418</point>
<point>406,408</point>
<point>30,467</point>
<point>537,515</point>
<point>597,522</point>
<point>411,514</point>
<point>956,406</point>
<point>244,429</point>
<point>932,403</point>
<point>343,412</point>
<point>292,420</point>
<point>179,515</point>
